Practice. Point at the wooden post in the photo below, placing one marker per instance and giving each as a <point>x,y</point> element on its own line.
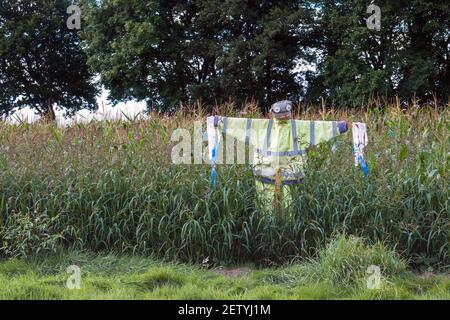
<point>278,194</point>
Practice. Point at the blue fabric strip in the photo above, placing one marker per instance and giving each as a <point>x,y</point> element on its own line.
<point>214,171</point>
<point>268,135</point>
<point>225,125</point>
<point>335,129</point>
<point>282,154</point>
<point>213,178</point>
<point>294,136</point>
<point>364,167</point>
<point>247,134</point>
<point>312,133</point>
<point>284,183</point>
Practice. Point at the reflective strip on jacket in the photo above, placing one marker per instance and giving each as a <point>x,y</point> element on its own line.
<point>279,144</point>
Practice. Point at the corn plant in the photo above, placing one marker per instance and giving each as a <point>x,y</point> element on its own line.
<point>113,187</point>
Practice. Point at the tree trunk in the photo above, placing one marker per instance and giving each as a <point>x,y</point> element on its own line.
<point>50,111</point>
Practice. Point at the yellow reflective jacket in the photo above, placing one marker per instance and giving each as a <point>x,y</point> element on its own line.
<point>278,144</point>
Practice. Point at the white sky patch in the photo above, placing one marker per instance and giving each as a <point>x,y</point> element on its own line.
<point>106,111</point>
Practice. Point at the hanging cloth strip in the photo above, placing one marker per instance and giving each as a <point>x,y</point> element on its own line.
<point>213,145</point>
<point>360,141</point>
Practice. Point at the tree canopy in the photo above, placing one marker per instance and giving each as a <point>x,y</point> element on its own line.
<point>42,64</point>
<point>172,52</point>
<point>169,52</point>
<point>408,56</point>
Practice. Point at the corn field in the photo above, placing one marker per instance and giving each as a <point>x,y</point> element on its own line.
<point>111,186</point>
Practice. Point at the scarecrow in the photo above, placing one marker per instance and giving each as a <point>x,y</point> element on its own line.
<point>279,148</point>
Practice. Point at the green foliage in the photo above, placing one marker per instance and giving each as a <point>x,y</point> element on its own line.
<point>42,64</point>
<point>11,268</point>
<point>345,260</point>
<point>172,52</point>
<point>407,57</point>
<point>159,277</point>
<point>213,50</point>
<point>27,234</point>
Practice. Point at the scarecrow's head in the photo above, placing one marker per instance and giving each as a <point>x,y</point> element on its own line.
<point>282,110</point>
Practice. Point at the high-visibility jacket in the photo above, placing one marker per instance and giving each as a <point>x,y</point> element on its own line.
<point>278,144</point>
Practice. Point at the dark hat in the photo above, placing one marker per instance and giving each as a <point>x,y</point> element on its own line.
<point>282,109</point>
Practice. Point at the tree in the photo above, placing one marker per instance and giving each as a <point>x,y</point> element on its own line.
<point>425,64</point>
<point>357,62</point>
<point>42,64</point>
<point>172,51</point>
<point>262,42</point>
<point>147,50</point>
<point>407,57</point>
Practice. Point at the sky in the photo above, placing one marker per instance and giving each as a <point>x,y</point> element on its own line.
<point>105,111</point>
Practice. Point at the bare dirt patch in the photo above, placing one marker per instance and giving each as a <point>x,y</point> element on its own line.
<point>233,273</point>
<point>428,275</point>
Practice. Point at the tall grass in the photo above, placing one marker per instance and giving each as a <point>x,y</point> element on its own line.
<point>110,185</point>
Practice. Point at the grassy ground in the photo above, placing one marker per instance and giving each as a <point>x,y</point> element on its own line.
<point>337,273</point>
